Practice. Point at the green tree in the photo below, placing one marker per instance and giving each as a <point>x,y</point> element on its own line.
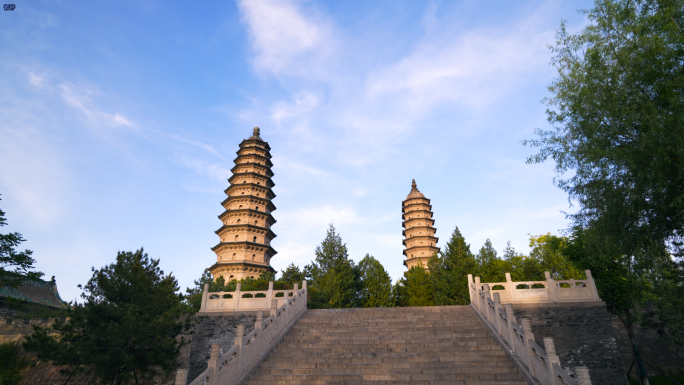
<point>334,277</point>
<point>376,284</point>
<point>127,327</point>
<point>15,266</point>
<point>449,271</point>
<point>547,250</point>
<point>193,297</point>
<point>491,268</point>
<point>417,287</point>
<point>12,362</point>
<point>522,267</point>
<point>292,274</point>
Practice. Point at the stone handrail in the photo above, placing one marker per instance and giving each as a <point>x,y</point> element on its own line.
<point>569,290</point>
<point>229,301</point>
<point>539,365</point>
<point>234,366</point>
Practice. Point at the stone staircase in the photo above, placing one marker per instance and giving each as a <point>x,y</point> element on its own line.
<point>419,345</point>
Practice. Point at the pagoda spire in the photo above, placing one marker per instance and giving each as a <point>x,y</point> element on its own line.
<point>419,231</point>
<point>244,248</point>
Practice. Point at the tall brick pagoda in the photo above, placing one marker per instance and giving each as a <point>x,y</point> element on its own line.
<point>419,233</point>
<point>245,237</point>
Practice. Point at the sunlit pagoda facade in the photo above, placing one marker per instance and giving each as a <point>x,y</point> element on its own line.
<point>245,237</point>
<point>419,230</point>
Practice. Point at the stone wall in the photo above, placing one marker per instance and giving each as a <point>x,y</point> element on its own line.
<point>583,335</point>
<point>214,329</point>
<point>654,349</point>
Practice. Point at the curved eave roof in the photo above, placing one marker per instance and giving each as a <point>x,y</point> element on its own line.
<point>269,192</point>
<point>256,142</point>
<point>267,156</point>
<point>434,248</point>
<point>241,263</point>
<point>269,217</point>
<point>269,250</point>
<point>266,202</point>
<point>403,224</point>
<point>269,232</point>
<point>403,208</point>
<point>267,160</point>
<point>403,216</point>
<point>268,178</point>
<point>410,199</point>
<point>403,232</point>
<point>269,173</point>
<point>420,236</point>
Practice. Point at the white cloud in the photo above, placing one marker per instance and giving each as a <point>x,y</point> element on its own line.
<point>79,100</point>
<point>282,34</point>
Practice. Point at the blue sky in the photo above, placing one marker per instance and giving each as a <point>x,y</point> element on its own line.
<point>119,122</point>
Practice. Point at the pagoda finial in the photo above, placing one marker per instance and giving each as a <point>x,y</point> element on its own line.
<point>256,131</point>
<point>413,184</point>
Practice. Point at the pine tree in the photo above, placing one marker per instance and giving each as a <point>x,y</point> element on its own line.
<point>291,275</point>
<point>449,271</point>
<point>491,268</point>
<point>376,284</point>
<point>419,289</point>
<point>334,277</point>
<point>15,266</point>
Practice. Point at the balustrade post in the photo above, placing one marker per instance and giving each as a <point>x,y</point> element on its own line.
<point>551,287</point>
<point>582,375</point>
<point>213,363</point>
<point>239,335</point>
<point>510,288</point>
<point>306,294</point>
<point>237,296</point>
<point>287,307</point>
<point>205,298</point>
<point>486,303</point>
<point>269,295</point>
<point>529,336</point>
<point>257,327</point>
<point>478,287</point>
<point>550,349</point>
<point>470,288</point>
<point>274,309</point>
<point>497,306</point>
<point>511,321</point>
<point>295,294</point>
<point>592,285</point>
<point>181,377</point>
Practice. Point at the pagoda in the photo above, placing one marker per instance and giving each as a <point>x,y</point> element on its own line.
<point>245,237</point>
<point>419,233</point>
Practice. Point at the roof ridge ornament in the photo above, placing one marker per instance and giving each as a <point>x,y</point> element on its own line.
<point>413,184</point>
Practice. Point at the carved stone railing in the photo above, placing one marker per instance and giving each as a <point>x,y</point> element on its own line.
<point>538,365</point>
<point>548,291</point>
<point>235,365</point>
<point>238,300</point>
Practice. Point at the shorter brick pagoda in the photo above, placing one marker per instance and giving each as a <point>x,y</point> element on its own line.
<point>419,233</point>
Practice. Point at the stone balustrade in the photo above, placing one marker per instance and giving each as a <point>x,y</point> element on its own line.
<point>539,365</point>
<point>234,366</point>
<point>548,291</point>
<point>238,300</point>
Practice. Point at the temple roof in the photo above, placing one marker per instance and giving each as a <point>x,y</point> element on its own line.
<point>35,291</point>
<point>414,191</point>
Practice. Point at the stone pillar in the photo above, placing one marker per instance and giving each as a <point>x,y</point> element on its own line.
<point>306,294</point>
<point>582,372</point>
<point>205,298</point>
<point>470,288</point>
<point>551,287</point>
<point>286,297</point>
<point>527,328</point>
<point>511,321</point>
<point>510,288</point>
<point>274,309</point>
<point>269,295</point>
<point>181,376</point>
<point>258,326</point>
<point>592,285</point>
<point>296,297</point>
<point>486,303</point>
<point>497,306</point>
<point>213,363</point>
<point>238,343</point>
<point>478,287</point>
<point>236,296</point>
<point>550,349</point>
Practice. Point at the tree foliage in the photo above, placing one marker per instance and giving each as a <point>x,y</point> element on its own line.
<point>449,270</point>
<point>15,265</point>
<point>127,327</point>
<point>334,277</point>
<point>376,284</point>
<point>292,274</point>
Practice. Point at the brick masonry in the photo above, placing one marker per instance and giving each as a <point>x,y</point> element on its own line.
<point>209,330</point>
<point>583,335</point>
